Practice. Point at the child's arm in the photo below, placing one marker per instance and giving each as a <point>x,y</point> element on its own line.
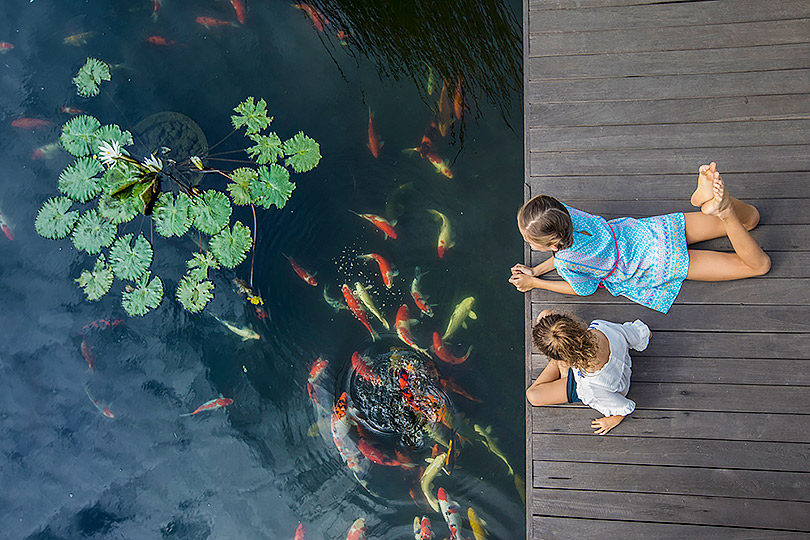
<point>613,405</point>
<point>526,283</point>
<point>603,425</point>
<point>543,268</point>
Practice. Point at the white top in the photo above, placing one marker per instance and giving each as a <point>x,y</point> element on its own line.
<point>605,390</point>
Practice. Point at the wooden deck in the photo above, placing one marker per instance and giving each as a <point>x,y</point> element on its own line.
<point>624,100</point>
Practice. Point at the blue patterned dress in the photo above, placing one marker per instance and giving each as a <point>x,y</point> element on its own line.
<point>645,260</point>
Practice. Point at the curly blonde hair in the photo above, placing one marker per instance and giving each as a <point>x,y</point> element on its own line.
<point>565,338</point>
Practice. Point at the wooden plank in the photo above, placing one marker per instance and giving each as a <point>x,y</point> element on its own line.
<point>695,318</point>
<point>540,5</point>
<point>561,528</point>
<point>676,369</point>
<point>752,513</point>
<point>654,87</point>
<point>719,36</point>
<point>760,292</point>
<point>711,482</point>
<point>715,344</point>
<point>705,14</point>
<point>705,61</point>
<point>721,397</point>
<point>667,111</point>
<point>670,161</point>
<point>730,426</point>
<point>695,135</point>
<point>616,448</point>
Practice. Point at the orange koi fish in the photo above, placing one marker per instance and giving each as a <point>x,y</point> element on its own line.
<point>451,385</point>
<point>374,143</point>
<point>5,47</point>
<point>458,101</point>
<point>239,8</point>
<point>211,405</point>
<point>418,298</point>
<point>358,530</point>
<point>72,110</point>
<point>102,323</point>
<point>102,408</point>
<point>315,16</point>
<point>358,311</point>
<point>261,313</point>
<point>87,352</point>
<point>30,123</point>
<point>374,455</point>
<point>387,227</point>
<point>303,274</point>
<point>160,41</point>
<point>300,531</point>
<point>315,374</point>
<point>210,22</point>
<point>444,354</point>
<point>363,370</point>
<point>386,270</point>
<point>439,164</point>
<point>403,326</point>
<point>6,227</point>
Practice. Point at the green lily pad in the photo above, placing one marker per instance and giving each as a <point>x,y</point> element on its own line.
<point>271,187</point>
<point>239,188</point>
<point>90,76</point>
<point>194,295</point>
<point>230,247</point>
<point>130,261</point>
<point>79,135</point>
<point>251,115</point>
<point>112,133</point>
<point>171,215</point>
<point>144,297</point>
<point>199,264</point>
<point>116,211</point>
<point>93,232</point>
<point>79,182</point>
<point>96,283</point>
<point>211,212</point>
<point>304,153</point>
<point>268,148</point>
<point>54,221</point>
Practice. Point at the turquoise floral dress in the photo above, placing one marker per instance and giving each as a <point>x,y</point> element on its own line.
<point>645,260</point>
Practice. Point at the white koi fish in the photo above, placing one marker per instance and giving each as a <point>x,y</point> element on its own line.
<point>459,317</point>
<point>445,233</point>
<point>362,294</point>
<point>244,333</point>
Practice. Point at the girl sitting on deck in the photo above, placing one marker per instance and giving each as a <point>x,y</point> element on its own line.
<point>647,259</point>
<point>589,365</point>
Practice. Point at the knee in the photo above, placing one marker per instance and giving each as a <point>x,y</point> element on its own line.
<point>535,397</point>
<point>764,267</point>
<point>751,219</point>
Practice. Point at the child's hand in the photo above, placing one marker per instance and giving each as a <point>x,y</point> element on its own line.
<point>523,282</point>
<point>522,269</point>
<point>603,425</point>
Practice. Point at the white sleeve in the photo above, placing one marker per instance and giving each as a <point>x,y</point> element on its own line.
<point>610,403</point>
<point>636,333</point>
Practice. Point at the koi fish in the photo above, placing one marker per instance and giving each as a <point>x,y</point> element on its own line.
<point>451,385</point>
<point>160,41</point>
<point>444,354</point>
<point>30,123</point>
<point>358,530</point>
<point>334,303</point>
<point>444,112</point>
<point>315,16</point>
<point>491,443</point>
<point>477,525</point>
<point>439,164</point>
<point>450,461</point>
<point>403,326</point>
<point>211,405</point>
<point>157,4</point>
<point>418,298</point>
<point>300,531</point>
<point>244,333</point>
<point>458,101</point>
<point>303,274</point>
<point>341,423</point>
<point>459,317</point>
<point>210,22</point>
<point>72,110</point>
<point>358,312</point>
<point>315,374</point>
<point>452,515</point>
<point>405,386</point>
<point>362,294</point>
<point>261,314</point>
<point>386,270</point>
<point>102,323</point>
<point>374,143</point>
<point>87,352</point>
<point>430,84</point>
<point>6,227</point>
<point>363,370</point>
<point>46,151</point>
<point>239,8</point>
<point>421,529</point>
<point>5,47</point>
<point>426,482</point>
<point>387,227</point>
<point>374,455</point>
<point>79,39</point>
<point>102,408</point>
<point>445,240</point>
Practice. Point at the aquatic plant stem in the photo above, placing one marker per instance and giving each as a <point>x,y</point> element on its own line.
<point>222,140</point>
<point>253,248</point>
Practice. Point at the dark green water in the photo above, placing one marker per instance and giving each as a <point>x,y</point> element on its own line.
<point>253,469</point>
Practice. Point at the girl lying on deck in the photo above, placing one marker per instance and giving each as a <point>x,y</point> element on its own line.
<point>589,365</point>
<point>647,259</point>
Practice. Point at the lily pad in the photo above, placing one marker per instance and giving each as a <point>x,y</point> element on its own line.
<point>211,212</point>
<point>200,264</point>
<point>79,135</point>
<point>230,247</point>
<point>54,220</point>
<point>116,211</point>
<point>271,187</point>
<point>304,153</point>
<point>171,215</point>
<point>239,188</point>
<point>194,295</point>
<point>93,232</point>
<point>79,182</point>
<point>144,297</point>
<point>96,283</point>
<point>112,133</point>
<point>251,115</point>
<point>130,261</point>
<point>268,148</point>
<point>90,76</point>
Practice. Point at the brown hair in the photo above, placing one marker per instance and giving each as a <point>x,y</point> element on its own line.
<point>565,338</point>
<point>546,222</point>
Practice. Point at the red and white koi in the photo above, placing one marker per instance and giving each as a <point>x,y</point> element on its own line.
<point>239,8</point>
<point>374,455</point>
<point>452,515</point>
<point>30,123</point>
<point>444,354</point>
<point>156,5</point>
<point>358,530</point>
<point>363,370</point>
<point>102,323</point>
<point>315,16</point>
<point>387,227</point>
<point>211,405</point>
<point>445,240</point>
<point>419,299</point>
<point>403,326</point>
<point>46,151</point>
<point>72,110</point>
<point>87,353</point>
<point>439,164</point>
<point>374,143</point>
<point>5,47</point>
<point>358,311</point>
<point>316,373</point>
<point>421,529</point>
<point>386,270</point>
<point>300,532</point>
<point>307,276</point>
<point>341,424</point>
<point>102,408</point>
<point>4,225</point>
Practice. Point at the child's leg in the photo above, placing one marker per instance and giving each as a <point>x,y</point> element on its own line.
<point>748,259</point>
<point>551,387</point>
<point>706,227</point>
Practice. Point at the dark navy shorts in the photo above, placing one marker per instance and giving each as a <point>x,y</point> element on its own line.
<point>571,389</point>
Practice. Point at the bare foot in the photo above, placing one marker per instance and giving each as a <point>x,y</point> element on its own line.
<point>703,193</point>
<point>720,203</point>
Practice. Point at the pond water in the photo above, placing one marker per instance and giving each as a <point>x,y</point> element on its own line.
<point>267,462</point>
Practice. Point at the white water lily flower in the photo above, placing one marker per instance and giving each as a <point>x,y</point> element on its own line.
<point>108,153</point>
<point>153,164</point>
